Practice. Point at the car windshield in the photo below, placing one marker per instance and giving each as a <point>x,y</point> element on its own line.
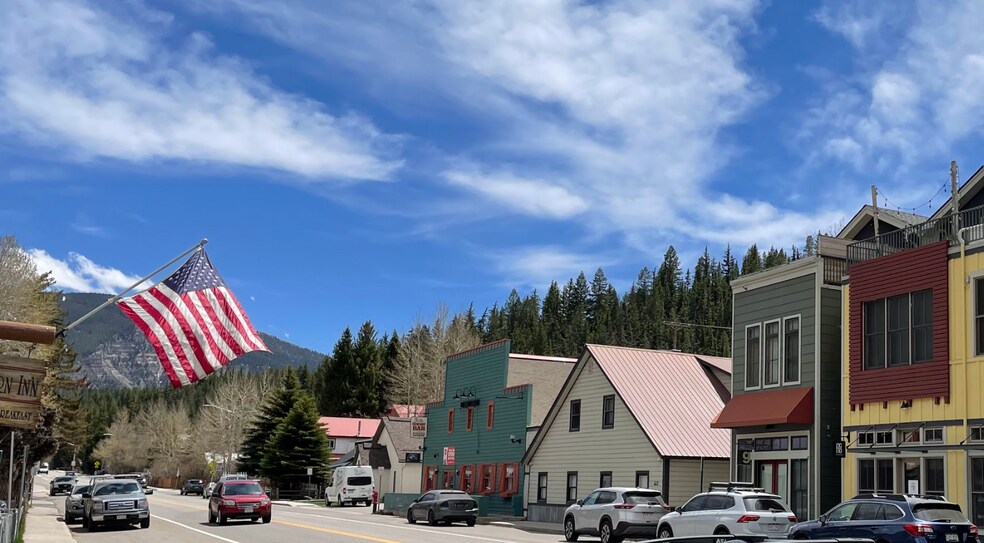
<point>939,512</point>
<point>63,479</point>
<point>359,481</point>
<point>245,489</point>
<point>79,489</point>
<point>118,488</point>
<point>194,481</point>
<point>765,503</point>
<point>643,498</point>
<point>452,493</point>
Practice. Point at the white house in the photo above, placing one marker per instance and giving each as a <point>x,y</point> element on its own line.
<point>344,432</point>
<point>395,457</point>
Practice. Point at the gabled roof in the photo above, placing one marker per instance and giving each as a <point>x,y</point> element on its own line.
<point>399,434</point>
<point>406,411</point>
<point>349,427</point>
<point>671,396</point>
<point>966,192</point>
<point>898,219</point>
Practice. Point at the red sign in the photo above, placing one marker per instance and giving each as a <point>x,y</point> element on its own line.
<point>448,456</point>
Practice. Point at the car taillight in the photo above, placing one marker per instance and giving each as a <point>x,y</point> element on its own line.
<point>919,529</point>
<point>747,518</point>
<point>792,518</point>
<point>973,530</point>
<point>344,490</point>
<point>625,506</point>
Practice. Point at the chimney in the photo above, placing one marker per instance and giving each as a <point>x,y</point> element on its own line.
<point>359,431</point>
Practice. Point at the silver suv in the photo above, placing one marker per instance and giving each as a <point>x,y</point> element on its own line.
<point>615,513</point>
<point>115,501</point>
<point>74,503</point>
<point>730,508</point>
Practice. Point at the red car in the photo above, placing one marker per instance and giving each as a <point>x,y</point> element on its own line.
<point>239,500</point>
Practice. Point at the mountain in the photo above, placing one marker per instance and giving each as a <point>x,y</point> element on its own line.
<point>113,353</point>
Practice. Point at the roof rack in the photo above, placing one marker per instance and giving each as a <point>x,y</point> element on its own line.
<point>734,486</point>
<point>899,497</point>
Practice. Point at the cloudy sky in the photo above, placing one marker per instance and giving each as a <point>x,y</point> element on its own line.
<point>368,159</point>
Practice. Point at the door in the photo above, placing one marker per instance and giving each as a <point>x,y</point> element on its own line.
<point>836,523</point>
<point>773,476</point>
<point>685,524</point>
<point>584,519</point>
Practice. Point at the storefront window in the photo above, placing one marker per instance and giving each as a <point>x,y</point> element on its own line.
<point>977,490</point>
<point>763,444</point>
<point>743,472</point>
<point>799,494</point>
<point>799,443</point>
<point>935,476</point>
<point>875,476</point>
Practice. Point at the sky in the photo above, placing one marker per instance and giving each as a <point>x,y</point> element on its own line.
<point>368,159</point>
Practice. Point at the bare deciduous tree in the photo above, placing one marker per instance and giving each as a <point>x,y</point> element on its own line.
<point>228,412</point>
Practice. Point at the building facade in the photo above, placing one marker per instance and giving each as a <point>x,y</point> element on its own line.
<point>397,464</point>
<point>633,418</point>
<point>344,432</point>
<point>476,435</point>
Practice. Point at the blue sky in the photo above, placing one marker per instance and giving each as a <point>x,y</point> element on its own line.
<point>367,160</point>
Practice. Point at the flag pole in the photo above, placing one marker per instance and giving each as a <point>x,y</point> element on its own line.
<point>198,247</point>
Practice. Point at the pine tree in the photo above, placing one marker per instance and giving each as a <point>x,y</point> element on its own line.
<point>336,377</point>
<point>298,443</point>
<point>363,391</point>
<point>273,412</point>
<point>553,321</point>
<point>391,354</point>
<point>752,261</point>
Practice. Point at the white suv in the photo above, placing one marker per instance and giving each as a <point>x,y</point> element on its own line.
<point>614,513</point>
<point>730,508</point>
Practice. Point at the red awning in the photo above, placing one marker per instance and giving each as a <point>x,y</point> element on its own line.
<point>780,406</point>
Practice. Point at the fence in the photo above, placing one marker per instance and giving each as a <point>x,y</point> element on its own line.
<point>10,523</point>
<point>919,235</point>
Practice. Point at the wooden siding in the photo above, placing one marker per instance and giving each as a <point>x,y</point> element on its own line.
<point>829,391</point>
<point>788,298</point>
<point>547,377</point>
<point>623,450</point>
<point>686,478</point>
<point>900,273</point>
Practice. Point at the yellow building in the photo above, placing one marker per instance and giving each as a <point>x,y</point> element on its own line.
<point>913,358</point>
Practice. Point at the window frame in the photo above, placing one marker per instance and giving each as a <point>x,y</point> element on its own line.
<point>643,473</point>
<point>571,496</point>
<point>909,330</point>
<point>430,478</point>
<point>912,327</point>
<point>490,415</point>
<point>542,478</point>
<point>469,418</point>
<point>601,479</point>
<point>865,310</point>
<point>906,330</point>
<point>605,425</point>
<point>928,441</point>
<point>765,356</point>
<point>758,372</point>
<point>466,482</point>
<point>570,423</point>
<point>799,349</point>
<point>486,479</point>
<point>451,420</point>
<point>508,486</point>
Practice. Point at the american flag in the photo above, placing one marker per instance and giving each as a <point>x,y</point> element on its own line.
<point>193,321</point>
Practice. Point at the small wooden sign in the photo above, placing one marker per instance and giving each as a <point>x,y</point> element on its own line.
<point>19,415</point>
<point>20,391</point>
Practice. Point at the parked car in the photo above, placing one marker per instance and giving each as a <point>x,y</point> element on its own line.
<point>615,513</point>
<point>115,501</point>
<point>70,473</point>
<point>445,506</point>
<point>61,485</point>
<point>730,508</point>
<point>193,486</point>
<point>892,517</point>
<point>350,484</point>
<point>74,504</point>
<point>140,478</point>
<point>43,468</point>
<point>207,492</point>
<point>237,500</point>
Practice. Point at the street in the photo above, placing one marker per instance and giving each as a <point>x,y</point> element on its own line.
<point>176,518</point>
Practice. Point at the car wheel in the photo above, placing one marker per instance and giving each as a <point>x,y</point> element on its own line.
<point>430,518</point>
<point>721,531</point>
<point>665,532</point>
<point>800,536</point>
<point>606,533</point>
<point>447,522</point>
<point>570,533</point>
<point>145,523</point>
<point>410,517</point>
<point>69,518</point>
<point>470,522</point>
<point>85,522</point>
<point>267,519</point>
<point>222,518</point>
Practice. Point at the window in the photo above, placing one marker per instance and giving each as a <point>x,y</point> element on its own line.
<point>466,478</point>
<point>909,437</point>
<point>642,479</point>
<point>935,476</point>
<point>575,416</point>
<point>591,499</point>
<point>898,331</point>
<point>508,479</point>
<point>450,421</point>
<point>571,486</point>
<point>469,419</point>
<point>753,356</point>
<point>979,327</point>
<point>605,497</point>
<point>799,443</point>
<point>430,478</point>
<point>866,438</point>
<point>331,443</point>
<point>868,511</point>
<point>874,334</point>
<point>842,513</point>
<point>791,350</point>
<point>608,412</point>
<point>490,415</point>
<point>977,434</point>
<point>875,476</point>
<point>799,495</point>
<point>695,504</point>
<point>771,354</point>
<point>884,438</point>
<point>780,443</point>
<point>933,435</point>
<point>763,444</point>
<point>541,488</point>
<point>605,480</point>
<point>486,479</point>
<point>977,489</point>
<point>448,481</point>
<point>744,471</point>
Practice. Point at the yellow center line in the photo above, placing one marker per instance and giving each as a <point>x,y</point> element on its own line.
<point>336,532</point>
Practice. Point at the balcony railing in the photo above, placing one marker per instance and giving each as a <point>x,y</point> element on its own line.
<point>919,235</point>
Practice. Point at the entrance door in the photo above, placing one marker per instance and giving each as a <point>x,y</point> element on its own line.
<point>772,476</point>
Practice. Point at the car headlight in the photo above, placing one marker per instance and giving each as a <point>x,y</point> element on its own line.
<point>264,501</point>
<point>228,502</point>
<point>141,504</point>
<point>97,506</point>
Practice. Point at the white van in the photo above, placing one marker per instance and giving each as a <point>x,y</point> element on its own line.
<point>350,484</point>
<point>43,468</point>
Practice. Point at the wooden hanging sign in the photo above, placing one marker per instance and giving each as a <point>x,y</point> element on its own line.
<point>20,391</point>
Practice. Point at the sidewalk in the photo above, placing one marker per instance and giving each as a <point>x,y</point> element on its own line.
<point>43,523</point>
<point>532,527</point>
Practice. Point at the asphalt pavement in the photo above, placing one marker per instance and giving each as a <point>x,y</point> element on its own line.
<point>184,519</point>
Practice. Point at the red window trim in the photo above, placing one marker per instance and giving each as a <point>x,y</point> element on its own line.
<point>490,416</point>
<point>430,478</point>
<point>447,479</point>
<point>469,419</point>
<point>486,474</point>
<point>450,421</point>
<point>466,482</point>
<point>508,485</point>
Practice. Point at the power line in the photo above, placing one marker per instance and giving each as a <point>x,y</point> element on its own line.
<point>889,204</point>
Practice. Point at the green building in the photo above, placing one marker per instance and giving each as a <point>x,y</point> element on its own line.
<point>494,401</point>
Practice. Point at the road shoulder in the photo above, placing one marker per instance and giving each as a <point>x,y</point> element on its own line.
<point>44,524</point>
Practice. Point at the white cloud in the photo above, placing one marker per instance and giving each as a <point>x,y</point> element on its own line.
<point>859,22</point>
<point>114,85</point>
<point>80,274</point>
<point>536,266</point>
<point>533,196</point>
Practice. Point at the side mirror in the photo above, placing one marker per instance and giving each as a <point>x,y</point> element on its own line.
<point>823,519</point>
<point>678,509</point>
<point>579,502</point>
<point>86,495</point>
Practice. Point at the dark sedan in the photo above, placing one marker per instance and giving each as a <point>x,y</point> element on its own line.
<point>445,506</point>
<point>193,486</point>
<point>61,485</point>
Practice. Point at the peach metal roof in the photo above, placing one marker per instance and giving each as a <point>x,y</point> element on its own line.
<point>349,427</point>
<point>671,396</point>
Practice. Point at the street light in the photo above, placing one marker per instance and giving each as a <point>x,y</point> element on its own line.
<point>74,453</point>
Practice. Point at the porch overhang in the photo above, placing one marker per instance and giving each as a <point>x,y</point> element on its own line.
<point>768,407</point>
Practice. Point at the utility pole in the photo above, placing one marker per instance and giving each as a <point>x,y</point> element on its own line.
<point>10,474</point>
<point>955,197</point>
<point>874,204</point>
<point>23,476</point>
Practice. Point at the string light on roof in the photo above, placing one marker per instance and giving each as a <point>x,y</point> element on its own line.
<point>929,203</point>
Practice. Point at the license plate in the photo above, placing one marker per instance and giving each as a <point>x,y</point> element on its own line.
<point>117,517</point>
<point>648,515</point>
<point>774,527</point>
<point>953,537</point>
<point>248,509</point>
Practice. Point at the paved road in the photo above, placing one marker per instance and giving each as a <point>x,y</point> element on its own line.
<point>183,519</point>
